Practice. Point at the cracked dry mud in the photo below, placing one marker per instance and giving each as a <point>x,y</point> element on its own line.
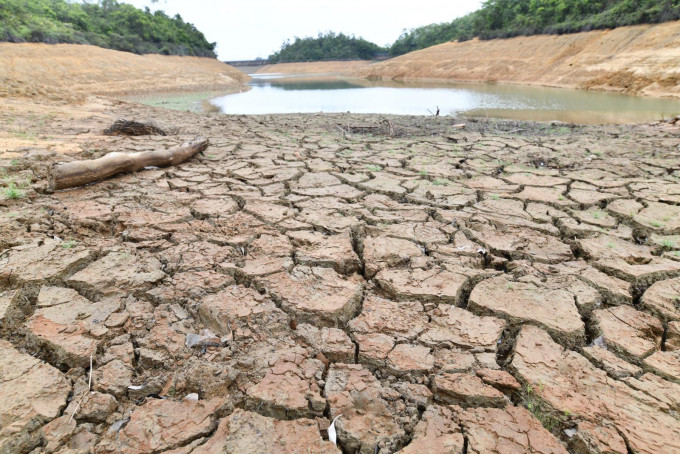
<point>509,287</point>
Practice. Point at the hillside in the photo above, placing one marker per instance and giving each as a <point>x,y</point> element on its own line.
<point>105,23</point>
<point>61,68</point>
<point>642,59</point>
<point>329,46</point>
<point>508,18</point>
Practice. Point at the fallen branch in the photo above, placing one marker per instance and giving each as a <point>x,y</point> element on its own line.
<point>79,173</point>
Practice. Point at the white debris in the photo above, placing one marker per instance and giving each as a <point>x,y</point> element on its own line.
<point>332,434</point>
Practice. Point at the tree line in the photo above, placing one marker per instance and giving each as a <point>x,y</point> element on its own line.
<point>105,23</point>
<point>508,18</point>
<point>328,46</point>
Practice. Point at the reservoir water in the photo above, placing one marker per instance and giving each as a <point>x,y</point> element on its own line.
<point>276,93</point>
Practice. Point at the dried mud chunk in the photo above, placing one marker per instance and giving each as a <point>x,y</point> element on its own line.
<point>270,213</point>
<point>244,432</point>
<point>663,299</point>
<point>586,197</point>
<point>662,390</point>
<point>449,195</point>
<point>612,364</point>
<point>113,378</point>
<point>342,191</point>
<point>673,337</point>
<point>189,284</point>
<point>383,252</point>
<point>437,432</point>
<point>119,271</point>
<point>45,260</point>
<point>615,291</point>
<point>435,285</point>
<point>236,310</point>
<point>162,424</point>
<point>546,305</point>
<point>405,359</point>
<point>64,322</point>
<point>531,179</point>
<point>590,438</point>
<point>96,407</point>
<point>462,329</point>
<point>332,251</point>
<point>552,196</point>
<point>628,261</point>
<point>521,243</point>
<point>34,393</point>
<point>428,233</point>
<point>625,207</point>
<point>367,419</point>
<point>499,379</point>
<point>213,208</point>
<point>630,332</point>
<point>466,390</point>
<point>334,343</point>
<point>329,220</point>
<point>289,389</point>
<point>315,295</point>
<point>402,321</point>
<point>660,217</point>
<point>512,429</point>
<point>8,300</point>
<point>374,348</point>
<point>666,364</point>
<point>192,255</point>
<point>384,183</point>
<point>568,382</point>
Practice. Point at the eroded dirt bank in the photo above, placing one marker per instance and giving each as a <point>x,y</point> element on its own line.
<point>71,70</point>
<point>638,60</point>
<point>318,67</point>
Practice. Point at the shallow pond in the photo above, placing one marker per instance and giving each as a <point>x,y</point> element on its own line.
<point>274,93</point>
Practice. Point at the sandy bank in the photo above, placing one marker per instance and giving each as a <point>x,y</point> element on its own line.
<point>317,67</point>
<point>642,59</point>
<point>49,70</point>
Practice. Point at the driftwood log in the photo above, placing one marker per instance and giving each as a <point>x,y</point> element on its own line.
<point>79,173</point>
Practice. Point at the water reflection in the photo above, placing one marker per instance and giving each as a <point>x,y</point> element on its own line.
<point>306,94</point>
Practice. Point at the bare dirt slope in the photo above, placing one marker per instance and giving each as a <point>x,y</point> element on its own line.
<point>317,67</point>
<point>45,69</point>
<point>643,59</point>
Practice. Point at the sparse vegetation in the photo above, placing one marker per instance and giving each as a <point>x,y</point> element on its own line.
<point>548,418</point>
<point>12,191</point>
<point>68,244</point>
<point>668,244</point>
<point>507,18</point>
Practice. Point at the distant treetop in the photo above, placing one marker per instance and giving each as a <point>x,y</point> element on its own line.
<point>507,18</point>
<point>105,23</point>
<point>327,46</point>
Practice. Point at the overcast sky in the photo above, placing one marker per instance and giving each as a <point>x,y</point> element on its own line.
<point>247,29</point>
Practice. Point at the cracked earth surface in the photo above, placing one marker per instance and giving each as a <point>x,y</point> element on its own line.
<point>507,287</point>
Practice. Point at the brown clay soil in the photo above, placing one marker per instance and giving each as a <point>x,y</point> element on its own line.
<point>641,59</point>
<point>502,287</point>
<point>318,67</point>
<point>59,70</point>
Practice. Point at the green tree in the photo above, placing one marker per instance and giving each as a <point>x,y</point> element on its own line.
<point>105,23</point>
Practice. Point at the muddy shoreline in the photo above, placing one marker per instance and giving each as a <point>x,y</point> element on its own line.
<point>438,286</point>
